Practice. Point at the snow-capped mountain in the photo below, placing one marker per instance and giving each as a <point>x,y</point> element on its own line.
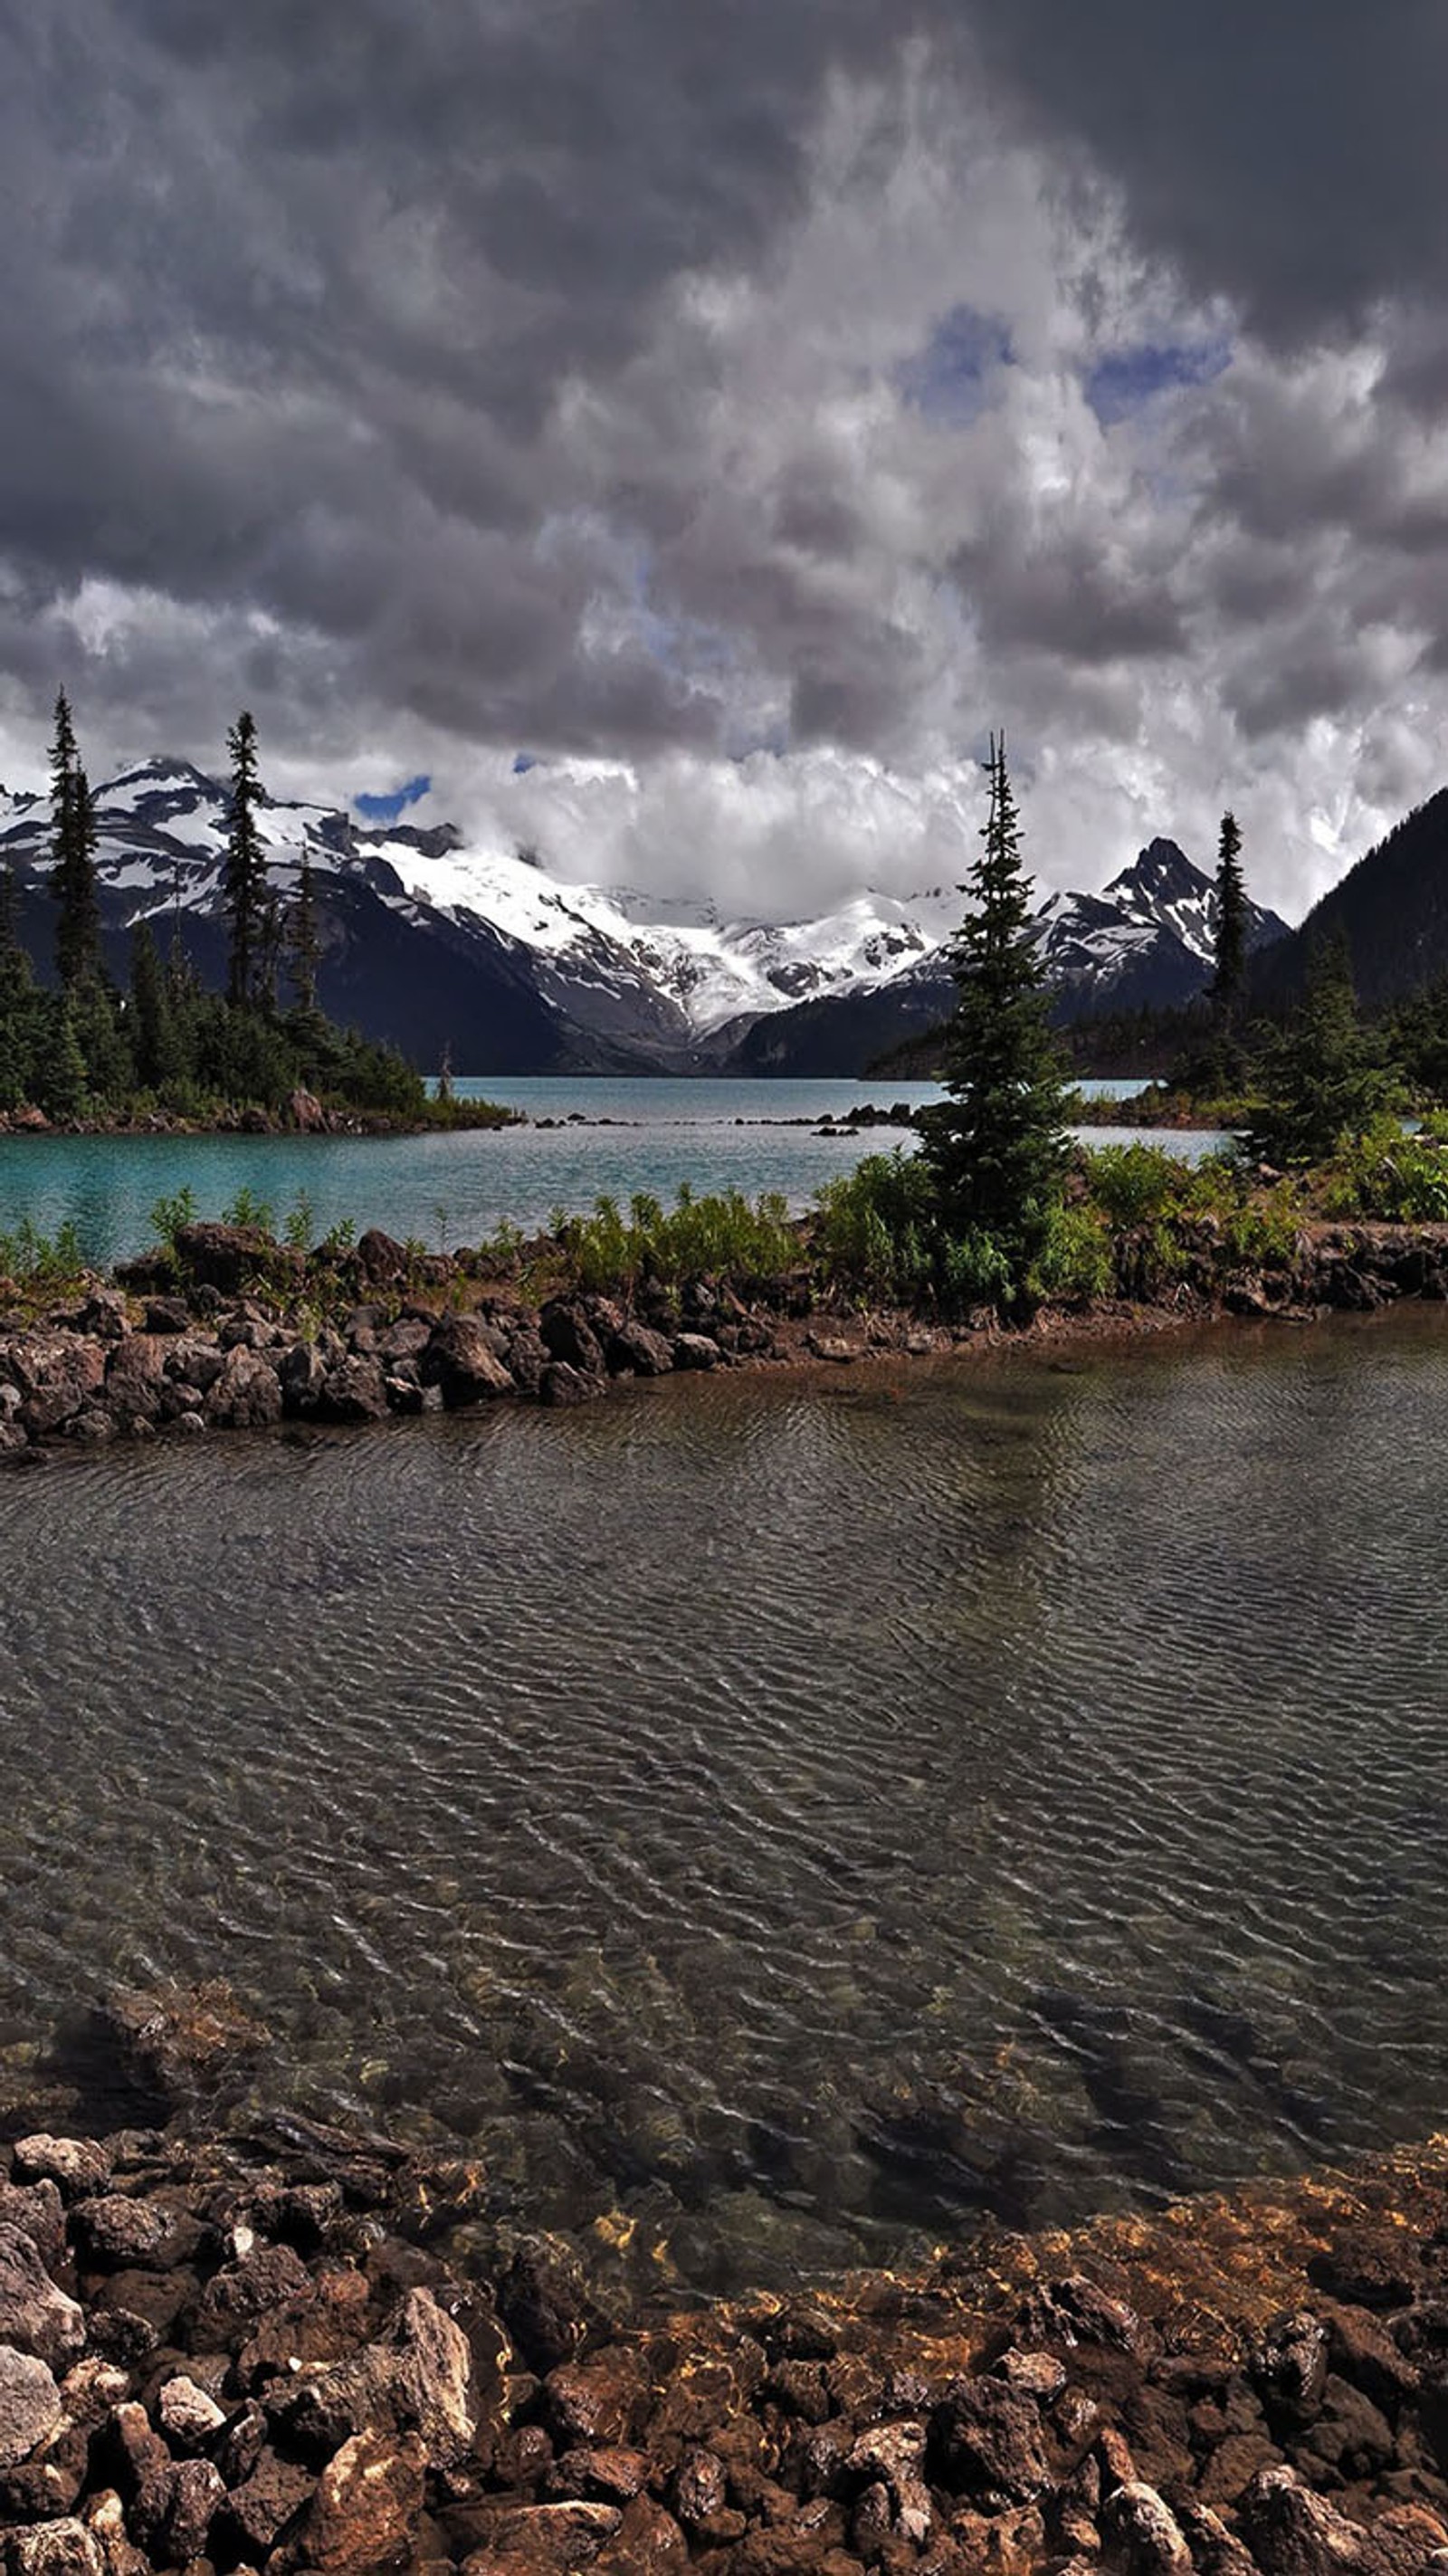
<point>1147,940</point>
<point>436,944</point>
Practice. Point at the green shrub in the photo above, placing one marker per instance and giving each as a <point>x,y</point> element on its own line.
<point>876,1230</point>
<point>1136,1185</point>
<point>1400,1179</point>
<point>35,1260</point>
<point>1078,1260</point>
<point>722,1233</point>
<point>169,1215</point>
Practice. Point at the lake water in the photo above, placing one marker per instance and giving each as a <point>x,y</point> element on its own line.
<point>791,1814</point>
<point>446,1190</point>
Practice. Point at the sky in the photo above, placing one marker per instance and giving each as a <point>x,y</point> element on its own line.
<point>671,437</point>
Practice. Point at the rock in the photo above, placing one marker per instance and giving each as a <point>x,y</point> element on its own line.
<point>363,2516</point>
<point>196,2495</point>
<point>696,1351</point>
<point>306,1114</point>
<point>247,1396</point>
<point>407,1339</point>
<point>195,1361</point>
<point>562,1384</point>
<point>177,2036</point>
<point>893,2454</point>
<point>136,1377</point>
<point>612,2474</point>
<point>62,2548</point>
<point>1293,2533</point>
<point>567,1335</point>
<point>989,2440</point>
<point>699,2486</point>
<point>112,2229</point>
<point>1076,2310</point>
<point>36,2317</point>
<point>552,2538</point>
<point>167,1315</point>
<point>637,1352</point>
<point>353,1392</point>
<point>460,1359</point>
<point>55,1374</point>
<point>243,2291</point>
<point>1141,2534</point>
<point>189,2416</point>
<point>267,2501</point>
<point>30,2405</point>
<point>35,2208</point>
<point>545,2304</point>
<point>527,1358</point>
<point>1365,2271</point>
<point>1033,2374</point>
<point>1290,2363</point>
<point>230,1257</point>
<point>1215,2550</point>
<point>106,2522</point>
<point>303,1377</point>
<point>596,2400</point>
<point>417,2379</point>
<point>381,1260</point>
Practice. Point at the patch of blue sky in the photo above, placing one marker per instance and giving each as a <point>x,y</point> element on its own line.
<point>1126,381</point>
<point>386,809</point>
<point>525,761</point>
<point>950,380</point>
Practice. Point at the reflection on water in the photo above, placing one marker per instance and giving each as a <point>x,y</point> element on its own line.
<point>797,1815</point>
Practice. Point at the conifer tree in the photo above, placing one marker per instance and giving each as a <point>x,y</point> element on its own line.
<point>304,941</point>
<point>156,1050</point>
<point>1321,1078</point>
<point>1230,943</point>
<point>244,880</point>
<point>72,852</point>
<point>995,1149</point>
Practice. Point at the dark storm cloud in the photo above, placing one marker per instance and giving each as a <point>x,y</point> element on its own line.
<point>1288,155</point>
<point>294,295</point>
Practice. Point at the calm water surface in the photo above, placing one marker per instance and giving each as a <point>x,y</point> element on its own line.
<point>793,1815</point>
<point>447,1190</point>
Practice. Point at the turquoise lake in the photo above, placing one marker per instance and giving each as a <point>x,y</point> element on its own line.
<point>447,1190</point>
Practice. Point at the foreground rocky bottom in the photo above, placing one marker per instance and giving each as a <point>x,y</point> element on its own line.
<point>237,1333</point>
<point>239,2353</point>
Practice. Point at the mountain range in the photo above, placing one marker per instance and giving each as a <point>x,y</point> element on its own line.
<point>482,954</point>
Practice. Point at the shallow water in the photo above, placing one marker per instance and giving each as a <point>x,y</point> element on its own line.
<point>795,1815</point>
<point>446,1190</point>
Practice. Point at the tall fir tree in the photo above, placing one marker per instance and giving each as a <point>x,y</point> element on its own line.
<point>1322,1078</point>
<point>78,952</point>
<point>1230,938</point>
<point>995,1149</point>
<point>304,941</point>
<point>244,879</point>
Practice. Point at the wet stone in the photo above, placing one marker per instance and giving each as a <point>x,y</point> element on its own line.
<point>76,2166</point>
<point>30,2405</point>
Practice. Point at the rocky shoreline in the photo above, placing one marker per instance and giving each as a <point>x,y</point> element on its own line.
<point>255,2352</point>
<point>231,1331</point>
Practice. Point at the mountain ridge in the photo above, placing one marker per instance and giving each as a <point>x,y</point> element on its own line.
<point>439,946</point>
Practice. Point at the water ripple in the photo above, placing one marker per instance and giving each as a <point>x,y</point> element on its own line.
<point>800,1816</point>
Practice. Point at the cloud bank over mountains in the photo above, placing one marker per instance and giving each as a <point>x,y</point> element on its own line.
<point>739,411</point>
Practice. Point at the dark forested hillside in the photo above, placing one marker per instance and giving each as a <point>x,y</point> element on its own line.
<point>1392,909</point>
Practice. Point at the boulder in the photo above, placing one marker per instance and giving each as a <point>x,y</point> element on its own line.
<point>247,1396</point>
<point>76,2166</point>
<point>354,1392</point>
<point>114,2230</point>
<point>35,2208</point>
<point>381,1260</point>
<point>567,1335</point>
<point>362,2519</point>
<point>136,1376</point>
<point>56,1375</point>
<point>303,1377</point>
<point>562,1384</point>
<point>230,1257</point>
<point>63,2548</point>
<point>263,2505</point>
<point>30,2405</point>
<point>696,1351</point>
<point>460,1359</point>
<point>189,2415</point>
<point>635,1351</point>
<point>988,2440</point>
<point>36,2317</point>
<point>1142,2534</point>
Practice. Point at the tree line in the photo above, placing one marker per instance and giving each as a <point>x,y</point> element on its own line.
<point>88,1046</point>
<point>984,1213</point>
